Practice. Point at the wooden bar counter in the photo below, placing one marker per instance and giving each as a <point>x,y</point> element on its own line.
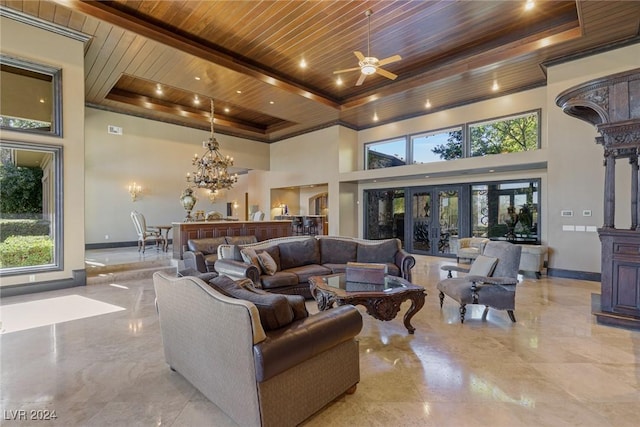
<point>263,230</point>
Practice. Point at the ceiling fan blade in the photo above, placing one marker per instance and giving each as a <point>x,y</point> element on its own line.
<point>359,55</point>
<point>361,79</point>
<point>386,74</point>
<point>346,70</point>
<point>389,60</point>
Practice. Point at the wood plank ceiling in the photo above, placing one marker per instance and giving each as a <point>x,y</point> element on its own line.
<point>153,58</point>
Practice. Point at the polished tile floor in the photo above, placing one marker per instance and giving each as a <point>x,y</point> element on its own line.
<point>554,367</point>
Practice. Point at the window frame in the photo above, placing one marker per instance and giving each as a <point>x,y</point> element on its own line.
<point>56,89</point>
<point>56,227</point>
<point>466,136</point>
<point>380,142</point>
<point>411,137</point>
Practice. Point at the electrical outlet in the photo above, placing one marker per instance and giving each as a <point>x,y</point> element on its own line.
<point>32,278</point>
<point>106,237</point>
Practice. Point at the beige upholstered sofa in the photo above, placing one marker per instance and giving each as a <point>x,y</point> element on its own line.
<point>469,247</point>
<point>258,377</point>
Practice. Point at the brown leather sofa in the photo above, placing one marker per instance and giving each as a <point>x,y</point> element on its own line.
<point>258,372</point>
<point>299,257</point>
<point>200,255</point>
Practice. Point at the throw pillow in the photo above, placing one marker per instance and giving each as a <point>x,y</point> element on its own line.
<point>296,302</point>
<point>267,263</point>
<point>250,256</point>
<point>274,309</point>
<point>483,266</point>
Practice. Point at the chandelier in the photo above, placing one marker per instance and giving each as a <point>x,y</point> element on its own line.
<point>211,169</point>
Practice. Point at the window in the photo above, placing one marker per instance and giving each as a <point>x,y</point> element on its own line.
<point>506,211</point>
<point>30,208</point>
<point>437,146</point>
<point>30,97</point>
<point>506,135</point>
<point>385,154</point>
<point>384,217</point>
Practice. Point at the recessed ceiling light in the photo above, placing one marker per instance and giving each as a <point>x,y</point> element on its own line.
<point>238,91</point>
<point>492,170</point>
<point>495,86</point>
<point>303,63</point>
<point>427,104</point>
<point>197,78</point>
<point>375,117</point>
<point>530,4</point>
<point>339,81</point>
<point>271,102</point>
<point>226,109</point>
<point>42,100</point>
<point>196,100</point>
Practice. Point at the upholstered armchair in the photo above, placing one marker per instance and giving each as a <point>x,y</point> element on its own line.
<point>469,247</point>
<point>145,232</point>
<point>491,280</point>
<point>258,356</point>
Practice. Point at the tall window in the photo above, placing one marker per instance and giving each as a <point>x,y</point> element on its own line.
<point>384,217</point>
<point>506,135</point>
<point>437,146</point>
<point>385,154</point>
<point>30,208</point>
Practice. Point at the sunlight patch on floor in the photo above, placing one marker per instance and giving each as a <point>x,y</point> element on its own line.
<point>44,312</point>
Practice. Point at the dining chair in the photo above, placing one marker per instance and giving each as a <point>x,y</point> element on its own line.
<point>146,233</point>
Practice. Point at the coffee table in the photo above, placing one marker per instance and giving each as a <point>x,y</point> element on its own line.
<point>382,301</point>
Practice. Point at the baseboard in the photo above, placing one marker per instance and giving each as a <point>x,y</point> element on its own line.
<point>79,279</point>
<point>573,274</point>
<point>109,245</point>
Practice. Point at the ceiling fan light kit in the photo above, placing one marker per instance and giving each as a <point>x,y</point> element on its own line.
<point>369,65</point>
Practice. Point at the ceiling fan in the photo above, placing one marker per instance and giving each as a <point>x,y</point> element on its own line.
<point>369,65</point>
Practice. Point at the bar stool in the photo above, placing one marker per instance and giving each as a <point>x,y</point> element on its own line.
<point>309,226</point>
<point>296,226</point>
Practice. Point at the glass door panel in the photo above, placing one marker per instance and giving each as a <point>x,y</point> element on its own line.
<point>448,214</point>
<point>421,220</point>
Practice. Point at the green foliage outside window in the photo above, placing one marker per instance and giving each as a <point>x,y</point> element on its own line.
<point>24,251</point>
<point>505,136</point>
<point>20,190</point>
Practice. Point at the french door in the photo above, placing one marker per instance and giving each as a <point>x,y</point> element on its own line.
<point>434,219</point>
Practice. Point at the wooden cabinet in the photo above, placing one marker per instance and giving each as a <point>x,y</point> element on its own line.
<point>263,230</point>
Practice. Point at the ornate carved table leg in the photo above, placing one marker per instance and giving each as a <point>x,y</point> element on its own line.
<point>417,301</point>
<point>325,301</point>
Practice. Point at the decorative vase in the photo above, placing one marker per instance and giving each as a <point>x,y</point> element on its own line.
<point>188,201</point>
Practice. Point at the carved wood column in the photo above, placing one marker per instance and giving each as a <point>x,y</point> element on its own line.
<point>634,192</point>
<point>609,189</point>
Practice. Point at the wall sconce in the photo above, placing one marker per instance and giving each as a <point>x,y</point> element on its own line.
<point>134,190</point>
<point>212,195</point>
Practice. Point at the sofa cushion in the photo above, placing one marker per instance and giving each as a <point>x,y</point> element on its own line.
<point>305,271</point>
<point>295,254</point>
<point>267,263</point>
<point>206,246</point>
<point>249,256</point>
<point>241,240</point>
<point>295,301</point>
<point>335,251</point>
<point>278,280</point>
<point>274,309</point>
<point>336,268</point>
<point>483,266</point>
<point>384,252</point>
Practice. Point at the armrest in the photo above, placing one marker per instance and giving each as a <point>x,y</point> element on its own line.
<point>194,260</point>
<point>449,268</point>
<point>493,280</point>
<point>405,261</point>
<point>305,338</point>
<point>238,270</point>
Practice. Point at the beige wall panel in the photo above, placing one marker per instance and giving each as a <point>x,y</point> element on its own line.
<point>156,156</point>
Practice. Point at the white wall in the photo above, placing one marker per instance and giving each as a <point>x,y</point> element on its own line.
<point>40,46</point>
<point>157,156</point>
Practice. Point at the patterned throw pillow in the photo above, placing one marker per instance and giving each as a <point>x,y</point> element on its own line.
<point>249,256</point>
<point>267,263</point>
